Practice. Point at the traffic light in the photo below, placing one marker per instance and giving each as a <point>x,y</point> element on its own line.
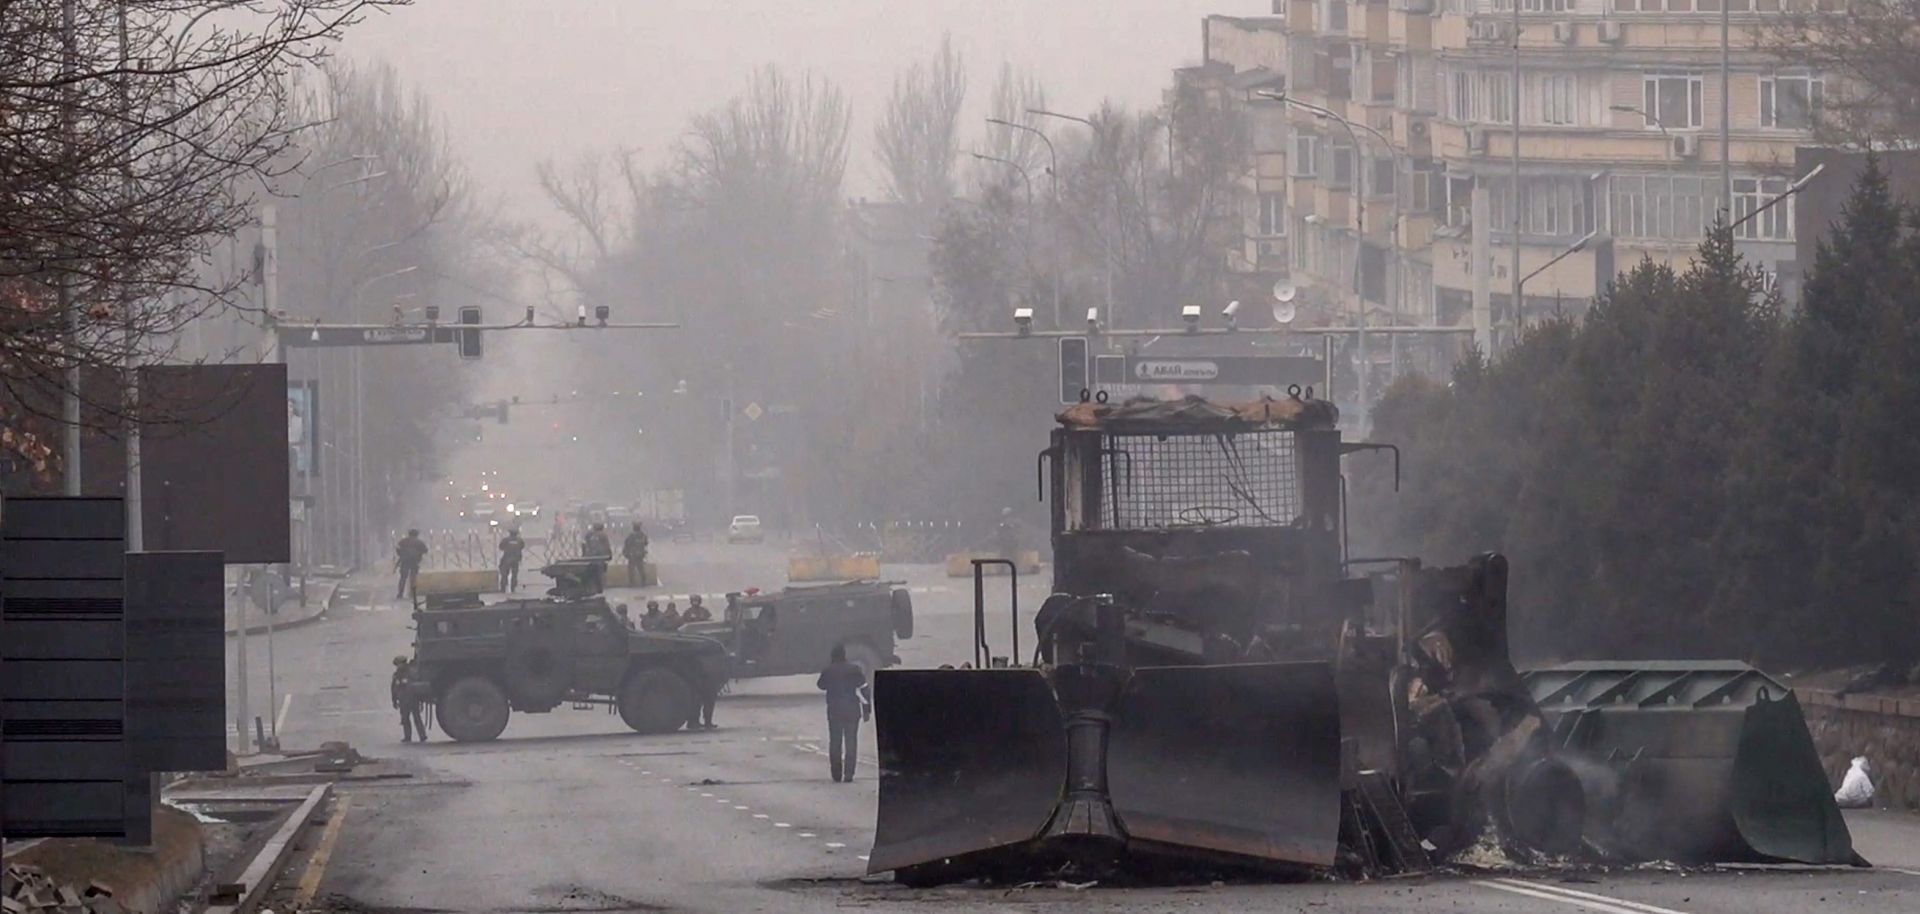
<point>1073,368</point>
<point>469,339</point>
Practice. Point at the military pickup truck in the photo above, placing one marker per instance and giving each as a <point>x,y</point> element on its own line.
<point>793,631</point>
<point>478,662</point>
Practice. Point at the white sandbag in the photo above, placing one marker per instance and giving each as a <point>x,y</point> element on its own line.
<point>1856,789</point>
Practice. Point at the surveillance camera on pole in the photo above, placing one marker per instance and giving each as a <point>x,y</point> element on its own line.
<point>1023,320</point>
<point>581,316</point>
<point>601,313</point>
<point>1231,312</point>
<point>1093,320</point>
<point>1190,314</point>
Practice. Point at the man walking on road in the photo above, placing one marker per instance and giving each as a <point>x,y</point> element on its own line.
<point>848,703</point>
<point>511,549</point>
<point>407,702</point>
<point>407,555</point>
<point>634,550</point>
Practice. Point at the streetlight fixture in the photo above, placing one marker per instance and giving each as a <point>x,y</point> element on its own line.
<point>1053,189</point>
<point>1028,180</point>
<point>1570,250</point>
<point>1797,186</point>
<point>1665,137</point>
<point>1106,237</point>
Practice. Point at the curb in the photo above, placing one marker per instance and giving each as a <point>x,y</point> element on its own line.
<point>319,608</point>
<point>258,876</point>
<point>143,880</point>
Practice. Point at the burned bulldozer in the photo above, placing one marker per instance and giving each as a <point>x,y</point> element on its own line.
<point>1215,683</point>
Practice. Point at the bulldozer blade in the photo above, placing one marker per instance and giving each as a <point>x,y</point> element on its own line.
<point>971,761</point>
<point>1698,762</point>
<point>1241,760</point>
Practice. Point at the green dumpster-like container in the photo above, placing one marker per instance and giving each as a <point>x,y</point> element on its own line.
<point>1693,762</point>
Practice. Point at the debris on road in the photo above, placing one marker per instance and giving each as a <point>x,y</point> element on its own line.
<point>28,890</point>
<point>1856,790</point>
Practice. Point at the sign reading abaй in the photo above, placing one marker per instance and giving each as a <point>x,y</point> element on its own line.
<point>1166,370</point>
<point>396,335</point>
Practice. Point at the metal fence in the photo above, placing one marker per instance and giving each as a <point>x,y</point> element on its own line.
<point>1246,480</point>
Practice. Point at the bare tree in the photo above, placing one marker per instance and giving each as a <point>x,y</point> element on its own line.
<point>1870,52</point>
<point>917,135</point>
<point>132,132</point>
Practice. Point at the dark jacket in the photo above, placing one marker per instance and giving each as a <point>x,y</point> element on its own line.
<point>596,546</point>
<point>511,549</point>
<point>410,550</point>
<point>635,547</point>
<point>846,688</point>
<point>402,690</point>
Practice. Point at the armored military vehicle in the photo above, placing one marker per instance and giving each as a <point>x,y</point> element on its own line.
<point>478,662</point>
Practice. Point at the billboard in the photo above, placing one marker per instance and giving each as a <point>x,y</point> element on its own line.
<point>214,465</point>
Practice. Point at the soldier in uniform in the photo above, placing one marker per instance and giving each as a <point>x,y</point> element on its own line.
<point>671,620</point>
<point>407,702</point>
<point>696,611</point>
<point>407,556</point>
<point>650,621</point>
<point>848,703</point>
<point>511,549</point>
<point>596,545</point>
<point>634,550</point>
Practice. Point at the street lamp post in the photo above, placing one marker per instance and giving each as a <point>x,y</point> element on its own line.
<point>1106,237</point>
<point>1028,180</point>
<point>1053,189</point>
<point>1667,138</point>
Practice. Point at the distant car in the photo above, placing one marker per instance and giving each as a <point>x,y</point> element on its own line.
<point>746,529</point>
<point>485,514</point>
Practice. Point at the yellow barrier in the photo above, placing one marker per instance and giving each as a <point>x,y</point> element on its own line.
<point>960,564</point>
<point>488,580</point>
<point>833,568</point>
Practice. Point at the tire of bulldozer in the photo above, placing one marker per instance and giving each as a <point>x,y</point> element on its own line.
<point>862,655</point>
<point>902,614</point>
<point>656,701</point>
<point>474,710</point>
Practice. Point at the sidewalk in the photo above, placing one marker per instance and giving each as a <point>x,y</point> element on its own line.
<point>320,593</point>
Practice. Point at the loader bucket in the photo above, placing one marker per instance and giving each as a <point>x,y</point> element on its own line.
<point>1240,760</point>
<point>971,761</point>
<point>1692,762</point>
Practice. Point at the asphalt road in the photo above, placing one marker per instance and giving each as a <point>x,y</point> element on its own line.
<point>570,811</point>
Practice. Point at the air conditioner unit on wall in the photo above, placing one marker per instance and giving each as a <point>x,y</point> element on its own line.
<point>1564,32</point>
<point>1611,32</point>
<point>1686,145</point>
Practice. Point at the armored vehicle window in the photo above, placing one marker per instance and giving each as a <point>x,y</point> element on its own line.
<point>1158,481</point>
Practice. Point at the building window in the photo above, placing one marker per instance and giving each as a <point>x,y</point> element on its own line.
<point>1673,100</point>
<point>1336,15</point>
<point>1750,194</point>
<point>1461,97</point>
<point>1421,184</point>
<point>1273,215</point>
<point>1306,155</point>
<point>1790,102</point>
<point>1381,177</point>
<point>1342,166</point>
<point>1661,206</point>
<point>1546,6</point>
<point>1497,89</point>
<point>1557,99</point>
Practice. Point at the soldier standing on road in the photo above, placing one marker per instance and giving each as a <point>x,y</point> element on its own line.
<point>849,702</point>
<point>511,549</point>
<point>407,555</point>
<point>634,550</point>
<point>671,621</point>
<point>596,545</point>
<point>407,702</point>
<point>651,620</point>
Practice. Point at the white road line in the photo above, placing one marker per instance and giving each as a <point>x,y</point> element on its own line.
<point>863,856</point>
<point>1902,871</point>
<point>707,795</point>
<point>835,844</point>
<point>1564,895</point>
<point>743,808</point>
<point>783,825</point>
<point>280,720</point>
<point>761,815</point>
<point>806,834</point>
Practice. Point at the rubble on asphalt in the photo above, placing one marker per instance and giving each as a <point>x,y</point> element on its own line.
<point>26,889</point>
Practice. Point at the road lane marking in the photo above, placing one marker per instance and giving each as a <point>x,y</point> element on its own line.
<point>705,794</point>
<point>317,867</point>
<point>806,834</point>
<point>1604,903</point>
<point>863,856</point>
<point>835,844</point>
<point>1901,870</point>
<point>743,808</point>
<point>783,825</point>
<point>280,720</point>
<point>761,815</point>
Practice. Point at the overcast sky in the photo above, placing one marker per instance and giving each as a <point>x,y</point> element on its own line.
<point>516,81</point>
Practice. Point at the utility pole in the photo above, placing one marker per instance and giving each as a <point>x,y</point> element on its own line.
<point>1514,305</point>
<point>136,529</point>
<point>1726,93</point>
<point>70,400</point>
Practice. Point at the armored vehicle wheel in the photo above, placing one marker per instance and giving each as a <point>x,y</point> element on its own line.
<point>902,604</point>
<point>474,710</point>
<point>656,701</point>
<point>862,655</point>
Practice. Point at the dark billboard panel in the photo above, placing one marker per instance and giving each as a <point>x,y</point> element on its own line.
<point>214,462</point>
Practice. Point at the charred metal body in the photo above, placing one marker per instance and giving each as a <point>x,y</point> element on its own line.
<point>1211,684</point>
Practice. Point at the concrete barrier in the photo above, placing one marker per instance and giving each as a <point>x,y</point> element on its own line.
<point>860,565</point>
<point>960,564</point>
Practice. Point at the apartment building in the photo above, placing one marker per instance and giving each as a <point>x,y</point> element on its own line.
<point>1619,135</point>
